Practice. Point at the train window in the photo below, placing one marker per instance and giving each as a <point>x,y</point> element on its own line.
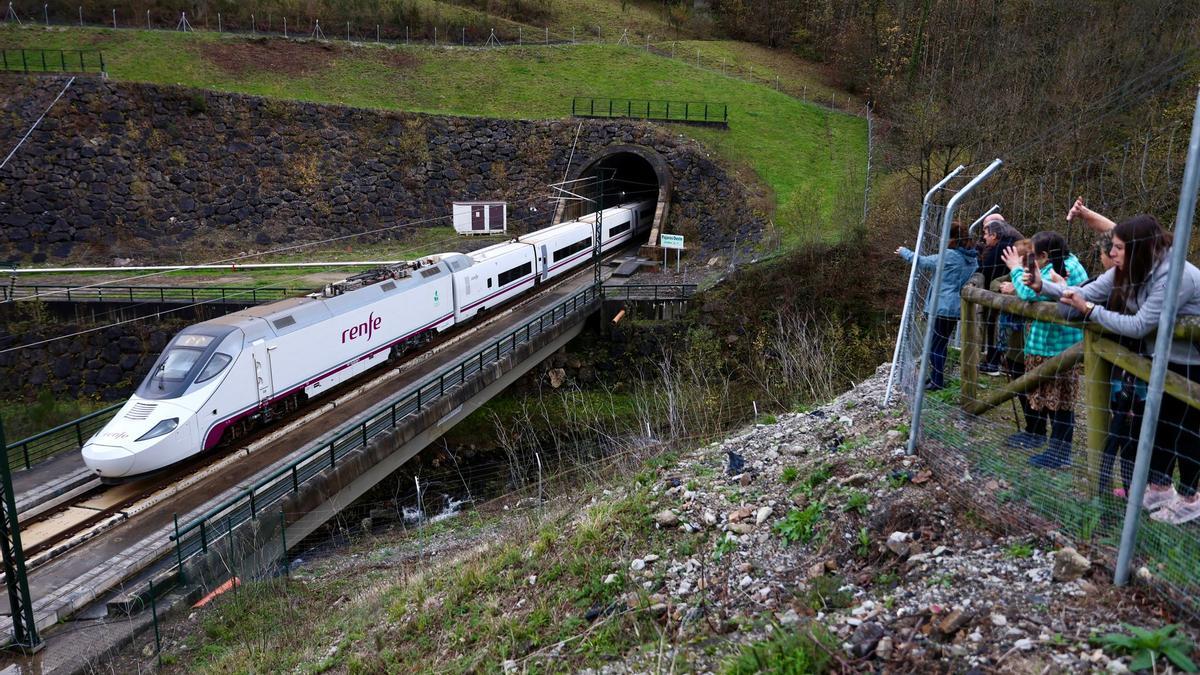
<point>614,231</point>
<point>178,363</point>
<point>215,365</point>
<point>568,251</point>
<point>389,286</point>
<point>515,273</point>
<point>284,322</point>
<point>432,271</point>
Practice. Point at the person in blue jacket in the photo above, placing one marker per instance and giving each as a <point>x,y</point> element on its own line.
<point>962,260</point>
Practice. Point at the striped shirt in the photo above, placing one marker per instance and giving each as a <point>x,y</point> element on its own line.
<point>1043,338</point>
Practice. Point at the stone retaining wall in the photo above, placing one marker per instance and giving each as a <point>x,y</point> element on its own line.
<point>159,174</point>
<point>106,364</point>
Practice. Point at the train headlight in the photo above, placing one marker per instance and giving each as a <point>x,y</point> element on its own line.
<point>161,429</point>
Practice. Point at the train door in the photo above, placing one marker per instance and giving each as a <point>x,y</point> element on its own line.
<point>262,370</point>
<point>543,255</point>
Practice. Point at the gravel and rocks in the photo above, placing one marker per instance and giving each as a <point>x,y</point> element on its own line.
<point>902,578</point>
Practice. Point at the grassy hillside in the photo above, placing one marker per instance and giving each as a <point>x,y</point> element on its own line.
<point>812,159</point>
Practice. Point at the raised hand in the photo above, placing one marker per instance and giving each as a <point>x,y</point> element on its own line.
<point>1011,258</point>
<point>1078,210</point>
<point>1093,220</point>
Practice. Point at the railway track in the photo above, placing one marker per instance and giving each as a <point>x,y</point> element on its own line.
<point>63,523</point>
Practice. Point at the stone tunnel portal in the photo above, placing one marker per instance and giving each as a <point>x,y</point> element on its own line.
<point>630,173</point>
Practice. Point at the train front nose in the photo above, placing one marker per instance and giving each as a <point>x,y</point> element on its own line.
<point>108,460</point>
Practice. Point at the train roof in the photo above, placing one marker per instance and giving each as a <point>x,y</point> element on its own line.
<point>555,230</point>
<point>291,314</point>
<point>497,250</point>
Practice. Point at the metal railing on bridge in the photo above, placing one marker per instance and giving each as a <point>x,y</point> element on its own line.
<point>163,294</point>
<point>63,438</point>
<point>23,60</point>
<point>197,535</point>
<point>694,112</point>
<point>651,292</point>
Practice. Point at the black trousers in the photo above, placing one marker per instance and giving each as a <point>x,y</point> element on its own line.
<point>1177,437</point>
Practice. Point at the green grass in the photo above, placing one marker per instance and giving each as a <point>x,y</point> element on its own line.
<point>811,159</point>
<point>771,67</point>
<point>800,524</point>
<point>802,651</point>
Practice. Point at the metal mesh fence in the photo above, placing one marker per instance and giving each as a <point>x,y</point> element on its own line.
<point>1063,412</point>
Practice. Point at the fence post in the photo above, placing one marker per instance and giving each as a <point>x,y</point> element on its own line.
<point>539,498</point>
<point>969,354</point>
<point>178,546</point>
<point>938,275</point>
<point>1096,387</point>
<point>1162,346</point>
<point>287,569</point>
<point>154,616</point>
<point>232,563</point>
<point>912,277</point>
<point>420,514</point>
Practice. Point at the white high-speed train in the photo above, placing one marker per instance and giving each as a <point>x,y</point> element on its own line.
<point>219,379</point>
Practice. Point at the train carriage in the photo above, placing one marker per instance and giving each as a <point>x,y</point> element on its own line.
<point>497,274</point>
<point>219,378</point>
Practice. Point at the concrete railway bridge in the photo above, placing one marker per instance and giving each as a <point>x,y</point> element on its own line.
<point>182,535</point>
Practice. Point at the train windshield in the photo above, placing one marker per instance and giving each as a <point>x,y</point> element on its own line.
<point>178,363</point>
<point>177,366</point>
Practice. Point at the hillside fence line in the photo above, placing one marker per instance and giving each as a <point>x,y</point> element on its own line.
<point>435,34</point>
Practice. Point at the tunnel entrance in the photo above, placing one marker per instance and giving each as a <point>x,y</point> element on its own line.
<point>630,173</point>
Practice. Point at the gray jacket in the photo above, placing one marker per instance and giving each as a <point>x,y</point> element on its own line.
<point>1146,307</point>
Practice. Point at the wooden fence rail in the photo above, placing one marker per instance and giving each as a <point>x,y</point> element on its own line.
<point>1097,352</point>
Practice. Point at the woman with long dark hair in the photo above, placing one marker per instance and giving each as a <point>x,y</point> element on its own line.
<point>1128,300</point>
<point>1052,399</point>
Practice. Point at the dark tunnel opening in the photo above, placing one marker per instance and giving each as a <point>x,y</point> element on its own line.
<point>619,176</point>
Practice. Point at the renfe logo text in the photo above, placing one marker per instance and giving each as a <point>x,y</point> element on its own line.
<point>366,328</point>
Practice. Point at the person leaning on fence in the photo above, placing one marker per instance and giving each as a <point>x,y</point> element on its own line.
<point>1127,300</point>
<point>997,236</point>
<point>1053,397</point>
<point>1010,336</point>
<point>1126,403</point>
<point>961,262</point>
